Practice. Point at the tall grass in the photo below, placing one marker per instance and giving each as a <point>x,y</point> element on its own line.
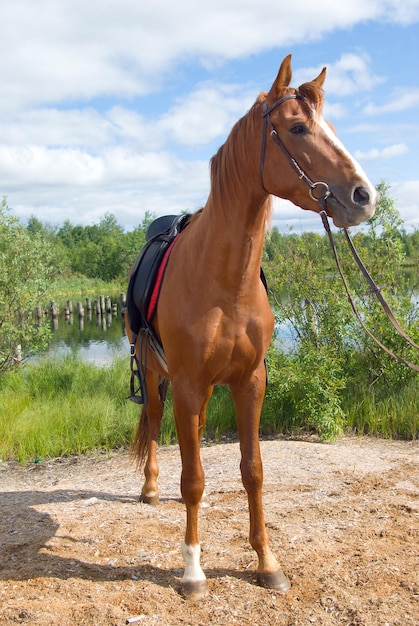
<point>393,414</point>
<point>65,407</point>
<point>73,286</point>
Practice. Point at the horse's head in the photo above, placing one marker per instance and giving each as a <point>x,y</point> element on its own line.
<point>297,137</point>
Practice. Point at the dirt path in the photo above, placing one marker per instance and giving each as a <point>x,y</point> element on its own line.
<point>78,548</point>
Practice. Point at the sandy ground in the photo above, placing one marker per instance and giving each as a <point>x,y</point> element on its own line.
<point>77,547</point>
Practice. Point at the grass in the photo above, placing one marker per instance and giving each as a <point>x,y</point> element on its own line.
<point>221,417</point>
<point>65,407</point>
<point>394,415</point>
<point>82,286</point>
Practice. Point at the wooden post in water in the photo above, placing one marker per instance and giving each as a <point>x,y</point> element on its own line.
<point>97,313</point>
<point>122,303</point>
<point>80,311</point>
<point>89,309</point>
<point>69,309</point>
<point>54,314</point>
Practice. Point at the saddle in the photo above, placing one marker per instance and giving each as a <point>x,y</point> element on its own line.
<point>142,295</point>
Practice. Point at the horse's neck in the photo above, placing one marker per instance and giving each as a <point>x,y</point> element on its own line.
<point>234,233</point>
<point>233,219</point>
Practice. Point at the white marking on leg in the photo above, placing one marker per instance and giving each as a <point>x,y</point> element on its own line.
<point>150,494</point>
<point>193,571</point>
<point>204,504</point>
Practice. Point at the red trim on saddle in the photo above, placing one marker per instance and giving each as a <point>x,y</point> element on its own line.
<point>159,280</point>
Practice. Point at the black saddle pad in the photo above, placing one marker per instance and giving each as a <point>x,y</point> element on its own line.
<point>160,234</point>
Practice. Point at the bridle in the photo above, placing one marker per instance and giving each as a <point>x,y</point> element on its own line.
<point>321,198</point>
<point>312,187</point>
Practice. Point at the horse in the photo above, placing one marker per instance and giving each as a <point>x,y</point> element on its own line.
<point>213,319</point>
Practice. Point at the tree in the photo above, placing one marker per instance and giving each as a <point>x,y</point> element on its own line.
<point>330,355</point>
<point>26,270</point>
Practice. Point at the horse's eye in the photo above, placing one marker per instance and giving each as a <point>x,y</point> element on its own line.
<point>298,129</point>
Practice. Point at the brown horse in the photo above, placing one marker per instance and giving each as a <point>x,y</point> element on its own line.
<point>213,317</point>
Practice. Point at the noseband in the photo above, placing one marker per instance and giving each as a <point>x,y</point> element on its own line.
<point>323,191</point>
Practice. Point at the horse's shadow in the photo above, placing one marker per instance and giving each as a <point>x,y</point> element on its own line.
<point>25,554</point>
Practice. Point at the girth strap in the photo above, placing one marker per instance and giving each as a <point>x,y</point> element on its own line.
<point>137,366</point>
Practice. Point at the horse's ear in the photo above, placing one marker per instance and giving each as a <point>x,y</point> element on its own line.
<point>320,78</point>
<point>283,79</point>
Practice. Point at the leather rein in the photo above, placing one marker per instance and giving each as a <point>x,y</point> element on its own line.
<point>324,193</point>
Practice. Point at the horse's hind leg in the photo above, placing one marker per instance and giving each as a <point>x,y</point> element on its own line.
<point>248,402</point>
<point>147,435</point>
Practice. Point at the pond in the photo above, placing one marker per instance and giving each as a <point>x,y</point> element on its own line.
<point>96,337</point>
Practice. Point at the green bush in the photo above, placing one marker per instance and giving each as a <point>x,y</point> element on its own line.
<point>26,270</point>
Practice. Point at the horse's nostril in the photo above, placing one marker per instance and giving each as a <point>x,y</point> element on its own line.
<point>361,196</point>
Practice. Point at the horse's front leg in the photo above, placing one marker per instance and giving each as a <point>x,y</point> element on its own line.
<point>189,410</point>
<point>248,402</point>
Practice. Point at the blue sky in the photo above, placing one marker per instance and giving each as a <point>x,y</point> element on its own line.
<point>116,106</point>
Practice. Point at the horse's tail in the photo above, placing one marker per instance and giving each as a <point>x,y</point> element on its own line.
<point>140,444</point>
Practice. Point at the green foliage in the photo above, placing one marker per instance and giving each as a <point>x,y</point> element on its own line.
<point>102,251</point>
<point>328,377</point>
<point>77,286</point>
<point>65,407</point>
<point>380,411</point>
<point>304,394</point>
<point>314,379</point>
<point>26,271</point>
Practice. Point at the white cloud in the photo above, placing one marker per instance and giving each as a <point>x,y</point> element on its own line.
<point>400,100</point>
<point>406,196</point>
<point>403,11</point>
<point>58,184</point>
<point>35,165</point>
<point>349,75</point>
<point>388,152</point>
<point>53,127</point>
<point>206,113</point>
<point>78,136</point>
<point>54,50</point>
<point>334,110</point>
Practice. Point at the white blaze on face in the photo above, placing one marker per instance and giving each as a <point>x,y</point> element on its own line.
<point>334,140</point>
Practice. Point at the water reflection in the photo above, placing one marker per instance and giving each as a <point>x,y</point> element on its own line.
<point>94,336</point>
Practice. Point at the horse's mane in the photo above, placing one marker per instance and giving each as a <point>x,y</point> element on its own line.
<point>227,164</point>
<point>313,94</point>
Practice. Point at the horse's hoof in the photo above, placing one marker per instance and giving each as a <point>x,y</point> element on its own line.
<point>152,500</point>
<point>194,590</point>
<point>274,580</point>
